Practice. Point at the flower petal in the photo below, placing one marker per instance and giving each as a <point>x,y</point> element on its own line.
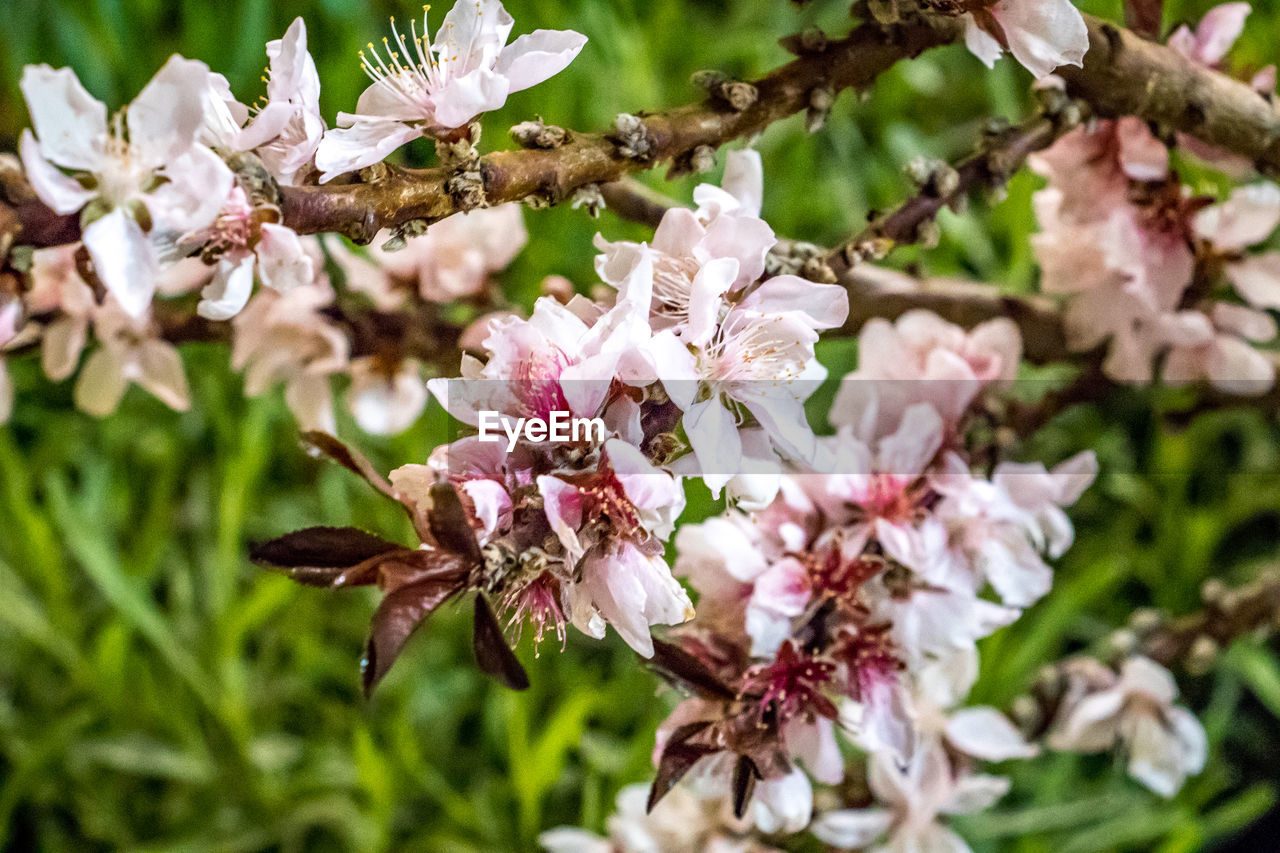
<point>363,144</point>
<point>538,55</point>
<point>71,123</point>
<point>101,384</point>
<point>164,118</point>
<point>227,294</point>
<point>55,189</point>
<point>283,264</point>
<point>124,259</point>
<point>160,373</point>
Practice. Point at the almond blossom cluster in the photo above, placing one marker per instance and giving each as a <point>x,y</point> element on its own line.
<point>842,619</point>
<point>177,193</point>
<point>694,362</point>
<point>1161,277</point>
<point>824,628</point>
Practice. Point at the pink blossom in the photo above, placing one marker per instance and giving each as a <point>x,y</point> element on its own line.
<point>611,526</point>
<point>1117,239</point>
<point>921,358</point>
<point>1213,36</point>
<point>1164,742</point>
<point>912,801</point>
<point>284,338</point>
<point>452,261</point>
<point>1043,35</point>
<point>130,351</point>
<point>161,123</point>
<point>427,88</point>
<point>244,246</point>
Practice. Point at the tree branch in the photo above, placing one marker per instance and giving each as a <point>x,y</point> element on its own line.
<point>1124,74</point>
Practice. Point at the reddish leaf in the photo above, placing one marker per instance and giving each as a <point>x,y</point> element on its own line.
<point>401,611</point>
<point>1144,17</point>
<point>449,523</point>
<point>678,757</point>
<point>320,556</point>
<point>493,655</point>
<point>745,775</point>
<point>352,460</point>
<point>677,665</point>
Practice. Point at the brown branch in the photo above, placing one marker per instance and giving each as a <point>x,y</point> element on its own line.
<point>1124,74</point>
<point>880,292</point>
<point>1227,615</point>
<point>999,156</point>
<point>553,174</point>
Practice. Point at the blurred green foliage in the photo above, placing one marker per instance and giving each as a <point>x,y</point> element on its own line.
<point>159,693</point>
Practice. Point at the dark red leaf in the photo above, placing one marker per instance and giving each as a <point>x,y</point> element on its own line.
<point>352,460</point>
<point>1144,17</point>
<point>745,775</point>
<point>449,523</point>
<point>320,556</point>
<point>401,611</point>
<point>493,655</point>
<point>679,666</point>
<point>678,757</point>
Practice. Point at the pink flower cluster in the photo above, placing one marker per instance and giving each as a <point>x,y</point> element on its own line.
<point>693,362</point>
<point>849,608</point>
<point>175,192</point>
<point>1142,262</point>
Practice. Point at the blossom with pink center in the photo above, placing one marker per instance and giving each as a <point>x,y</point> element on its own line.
<point>1043,35</point>
<point>754,365</point>
<point>913,799</point>
<point>1117,239</point>
<point>882,482</point>
<point>452,261</point>
<point>148,178</point>
<point>424,87</point>
<point>999,528</point>
<point>243,245</point>
<point>704,260</point>
<point>794,683</point>
<point>701,255</point>
<point>878,708</point>
<point>921,358</point>
<point>934,609</point>
<point>562,358</point>
<point>1164,743</point>
<point>611,524</point>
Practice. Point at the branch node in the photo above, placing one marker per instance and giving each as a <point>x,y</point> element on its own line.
<point>631,135</point>
<point>807,43</point>
<point>935,178</point>
<point>537,134</point>
<point>820,100</point>
<point>885,12</point>
<point>590,197</point>
<point>720,86</point>
<point>702,159</point>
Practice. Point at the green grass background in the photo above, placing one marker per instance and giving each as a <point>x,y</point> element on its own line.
<point>159,693</point>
